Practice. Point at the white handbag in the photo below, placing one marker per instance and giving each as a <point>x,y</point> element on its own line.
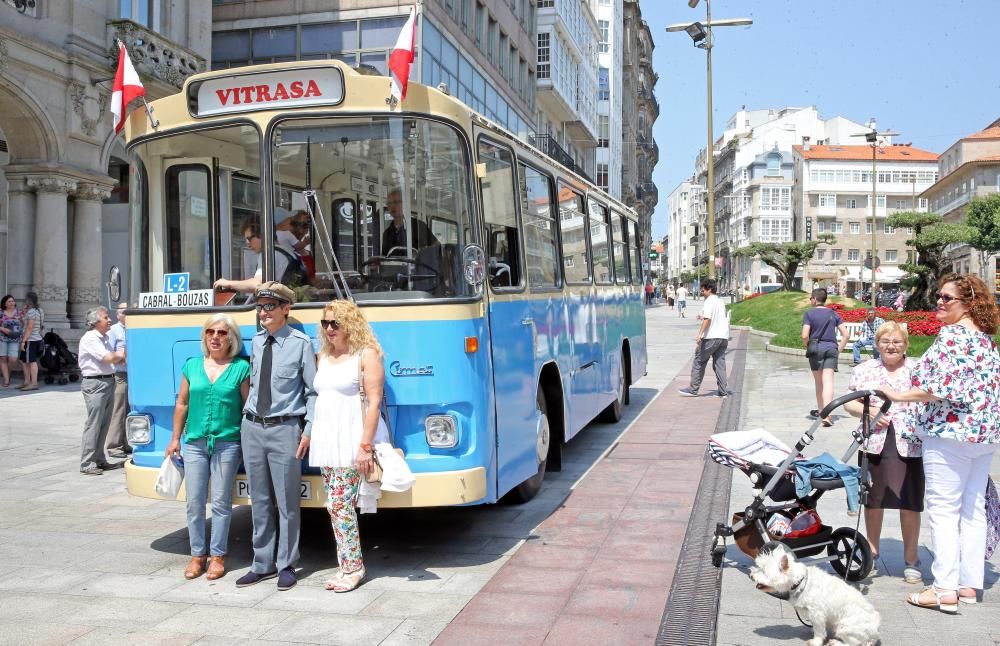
<point>169,479</point>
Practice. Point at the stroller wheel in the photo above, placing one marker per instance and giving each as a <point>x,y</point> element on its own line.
<point>63,381</point>
<point>851,553</point>
<point>49,379</point>
<point>74,377</point>
<point>718,551</point>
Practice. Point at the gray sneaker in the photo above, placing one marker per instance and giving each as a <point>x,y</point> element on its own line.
<point>722,394</point>
<point>92,471</point>
<point>687,392</point>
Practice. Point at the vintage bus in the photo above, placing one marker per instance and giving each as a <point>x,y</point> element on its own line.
<point>509,323</point>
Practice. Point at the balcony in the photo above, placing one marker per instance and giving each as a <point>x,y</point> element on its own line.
<point>647,95</point>
<point>154,55</point>
<point>551,147</point>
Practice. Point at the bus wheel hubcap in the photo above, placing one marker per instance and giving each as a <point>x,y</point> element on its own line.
<point>542,439</point>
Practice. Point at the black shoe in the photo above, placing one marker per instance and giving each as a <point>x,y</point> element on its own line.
<point>252,578</point>
<point>722,394</point>
<point>814,413</point>
<point>286,579</point>
<point>111,466</point>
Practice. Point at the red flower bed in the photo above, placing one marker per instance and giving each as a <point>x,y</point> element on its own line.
<point>918,323</point>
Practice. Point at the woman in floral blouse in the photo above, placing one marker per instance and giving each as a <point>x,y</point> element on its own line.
<point>957,382</point>
<point>897,471</point>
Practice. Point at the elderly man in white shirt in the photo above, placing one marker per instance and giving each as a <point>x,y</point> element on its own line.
<point>97,361</point>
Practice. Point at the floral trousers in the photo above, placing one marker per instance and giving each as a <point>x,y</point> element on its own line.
<point>341,492</point>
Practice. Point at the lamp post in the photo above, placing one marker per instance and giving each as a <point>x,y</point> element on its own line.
<point>701,35</point>
<point>872,137</point>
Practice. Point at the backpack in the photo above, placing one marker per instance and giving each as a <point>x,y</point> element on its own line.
<point>295,273</point>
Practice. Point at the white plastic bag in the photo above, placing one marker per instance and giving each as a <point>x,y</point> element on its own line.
<point>169,479</point>
<point>396,474</point>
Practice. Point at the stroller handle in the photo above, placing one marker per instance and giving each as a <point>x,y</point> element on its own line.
<point>858,394</point>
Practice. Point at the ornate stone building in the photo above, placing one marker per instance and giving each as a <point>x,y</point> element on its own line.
<point>63,214</point>
<point>639,110</point>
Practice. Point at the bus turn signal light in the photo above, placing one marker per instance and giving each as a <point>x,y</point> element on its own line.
<point>472,344</point>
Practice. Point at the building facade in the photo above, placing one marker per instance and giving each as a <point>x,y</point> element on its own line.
<point>64,219</point>
<point>682,229</point>
<point>483,51</point>
<point>832,194</point>
<point>566,99</point>
<point>969,168</point>
<point>639,110</point>
<point>610,21</point>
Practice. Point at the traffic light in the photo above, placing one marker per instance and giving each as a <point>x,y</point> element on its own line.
<point>653,254</point>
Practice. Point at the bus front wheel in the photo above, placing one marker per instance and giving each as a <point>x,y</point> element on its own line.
<point>530,487</point>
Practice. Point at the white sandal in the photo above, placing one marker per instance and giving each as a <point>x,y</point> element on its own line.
<point>947,608</point>
<point>969,600</point>
<point>345,582</point>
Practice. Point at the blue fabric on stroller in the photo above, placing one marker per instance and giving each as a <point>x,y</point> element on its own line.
<point>827,467</point>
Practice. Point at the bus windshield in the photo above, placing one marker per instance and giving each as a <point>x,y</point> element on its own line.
<point>380,205</point>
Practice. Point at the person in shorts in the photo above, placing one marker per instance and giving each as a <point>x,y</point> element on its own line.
<point>819,334</point>
<point>31,341</point>
<point>10,337</point>
<point>682,294</point>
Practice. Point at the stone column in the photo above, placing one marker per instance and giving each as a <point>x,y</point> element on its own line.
<point>52,247</point>
<point>20,237</point>
<point>86,266</point>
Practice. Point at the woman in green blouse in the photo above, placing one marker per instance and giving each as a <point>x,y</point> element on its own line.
<point>208,412</point>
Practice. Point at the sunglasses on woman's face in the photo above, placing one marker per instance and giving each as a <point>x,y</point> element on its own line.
<point>210,332</point>
<point>328,323</point>
<point>946,298</point>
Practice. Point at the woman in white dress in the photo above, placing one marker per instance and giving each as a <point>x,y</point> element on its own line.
<point>345,430</point>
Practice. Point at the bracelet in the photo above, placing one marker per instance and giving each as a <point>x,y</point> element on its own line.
<point>367,447</point>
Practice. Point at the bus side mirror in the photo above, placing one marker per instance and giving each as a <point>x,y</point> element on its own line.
<point>114,284</point>
<point>474,265</point>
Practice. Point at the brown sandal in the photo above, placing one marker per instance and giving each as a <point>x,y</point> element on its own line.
<point>196,567</point>
<point>216,568</point>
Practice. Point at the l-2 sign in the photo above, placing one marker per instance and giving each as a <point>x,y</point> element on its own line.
<point>295,88</point>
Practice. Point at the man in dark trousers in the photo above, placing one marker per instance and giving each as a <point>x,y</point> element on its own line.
<point>277,422</point>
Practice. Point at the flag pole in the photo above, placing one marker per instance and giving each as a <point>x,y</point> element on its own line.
<point>153,121</point>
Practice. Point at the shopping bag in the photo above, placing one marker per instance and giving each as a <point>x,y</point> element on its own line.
<point>169,479</point>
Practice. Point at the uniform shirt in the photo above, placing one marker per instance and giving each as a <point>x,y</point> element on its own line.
<point>293,369</point>
<point>93,347</point>
<point>116,336</point>
<point>715,311</point>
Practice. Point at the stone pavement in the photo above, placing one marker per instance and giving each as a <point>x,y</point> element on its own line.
<point>82,562</point>
<point>777,393</point>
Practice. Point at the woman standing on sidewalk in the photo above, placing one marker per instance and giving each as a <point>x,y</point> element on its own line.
<point>208,412</point>
<point>31,341</point>
<point>10,337</point>
<point>957,382</point>
<point>896,469</point>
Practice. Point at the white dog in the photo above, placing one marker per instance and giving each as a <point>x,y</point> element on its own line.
<point>830,605</point>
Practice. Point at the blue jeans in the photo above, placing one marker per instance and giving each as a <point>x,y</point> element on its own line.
<point>861,344</point>
<point>221,466</point>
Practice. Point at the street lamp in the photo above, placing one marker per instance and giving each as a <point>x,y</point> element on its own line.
<point>872,137</point>
<point>701,35</point>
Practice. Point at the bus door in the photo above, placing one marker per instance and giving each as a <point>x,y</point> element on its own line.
<point>512,328</point>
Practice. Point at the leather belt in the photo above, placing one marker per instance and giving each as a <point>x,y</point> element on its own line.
<point>268,421</point>
<point>98,376</point>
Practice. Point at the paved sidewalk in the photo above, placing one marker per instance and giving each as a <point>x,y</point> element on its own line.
<point>778,391</point>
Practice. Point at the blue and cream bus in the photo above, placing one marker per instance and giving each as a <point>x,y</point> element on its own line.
<point>511,324</point>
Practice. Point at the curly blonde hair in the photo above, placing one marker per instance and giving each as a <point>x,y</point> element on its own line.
<point>353,323</point>
<point>977,298</point>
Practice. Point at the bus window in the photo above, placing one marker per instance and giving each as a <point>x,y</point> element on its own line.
<point>541,255</point>
<point>175,214</point>
<point>636,252</point>
<point>500,216</point>
<point>621,259</point>
<point>384,185</point>
<point>574,224</point>
<point>600,235</point>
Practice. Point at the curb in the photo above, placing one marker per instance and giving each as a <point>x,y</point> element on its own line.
<point>780,349</point>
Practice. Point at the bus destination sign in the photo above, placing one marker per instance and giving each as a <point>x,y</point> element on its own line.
<point>295,88</point>
<point>193,298</point>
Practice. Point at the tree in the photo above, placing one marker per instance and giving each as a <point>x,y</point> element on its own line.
<point>785,257</point>
<point>983,217</point>
<point>699,274</point>
<point>930,237</point>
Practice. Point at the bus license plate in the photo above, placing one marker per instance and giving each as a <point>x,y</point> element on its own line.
<point>243,489</point>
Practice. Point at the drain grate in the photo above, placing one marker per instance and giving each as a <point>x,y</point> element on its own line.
<point>691,614</point>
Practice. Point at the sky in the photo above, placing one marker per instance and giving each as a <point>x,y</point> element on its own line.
<point>924,68</point>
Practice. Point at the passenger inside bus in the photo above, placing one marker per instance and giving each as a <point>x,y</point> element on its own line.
<point>283,261</point>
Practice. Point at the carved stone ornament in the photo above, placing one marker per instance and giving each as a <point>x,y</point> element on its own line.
<point>155,55</point>
<point>84,295</point>
<point>52,185</point>
<point>4,55</point>
<point>91,193</point>
<point>53,293</point>
<point>78,94</point>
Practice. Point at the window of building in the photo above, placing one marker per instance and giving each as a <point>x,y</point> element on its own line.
<point>836,227</point>
<point>491,41</point>
<point>852,203</point>
<point>774,164</point>
<point>546,4</point>
<point>887,229</point>
<point>775,198</point>
<point>775,230</point>
<point>855,227</point>
<point>853,255</point>
<point>144,12</point>
<point>467,16</point>
<point>544,60</point>
<point>835,254</point>
<point>900,204</point>
<point>603,130</point>
<point>881,201</point>
<point>820,253</point>
<point>602,175</point>
<point>603,85</point>
<point>604,26</point>
<point>868,228</point>
<point>828,200</point>
<point>922,202</point>
<point>891,255</point>
<point>821,227</point>
<point>479,24</point>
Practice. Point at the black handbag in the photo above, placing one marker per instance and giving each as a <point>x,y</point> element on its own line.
<point>812,348</point>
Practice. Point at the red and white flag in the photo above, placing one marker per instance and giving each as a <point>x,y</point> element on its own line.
<point>127,87</point>
<point>402,56</point>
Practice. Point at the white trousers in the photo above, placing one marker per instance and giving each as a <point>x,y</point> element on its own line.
<point>955,502</point>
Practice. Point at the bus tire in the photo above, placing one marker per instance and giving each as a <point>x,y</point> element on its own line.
<point>529,488</point>
<point>613,412</point>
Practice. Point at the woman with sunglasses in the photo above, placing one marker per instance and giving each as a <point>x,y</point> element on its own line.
<point>345,429</point>
<point>957,385</point>
<point>208,413</point>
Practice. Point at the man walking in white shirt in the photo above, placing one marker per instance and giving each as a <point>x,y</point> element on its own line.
<point>711,342</point>
<point>682,296</point>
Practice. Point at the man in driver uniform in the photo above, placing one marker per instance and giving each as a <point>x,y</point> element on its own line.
<point>395,234</point>
<point>251,233</point>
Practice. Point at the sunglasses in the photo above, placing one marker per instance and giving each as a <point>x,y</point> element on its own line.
<point>945,298</point>
<point>328,323</point>
<point>267,307</point>
<point>249,239</point>
<point>210,332</point>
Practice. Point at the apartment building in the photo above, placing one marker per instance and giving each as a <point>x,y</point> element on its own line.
<point>610,23</point>
<point>832,193</point>
<point>684,204</point>
<point>639,110</point>
<point>483,51</point>
<point>567,36</point>
<point>968,168</point>
<point>64,178</point>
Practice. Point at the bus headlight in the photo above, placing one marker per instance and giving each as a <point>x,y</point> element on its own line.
<point>138,429</point>
<point>441,431</point>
